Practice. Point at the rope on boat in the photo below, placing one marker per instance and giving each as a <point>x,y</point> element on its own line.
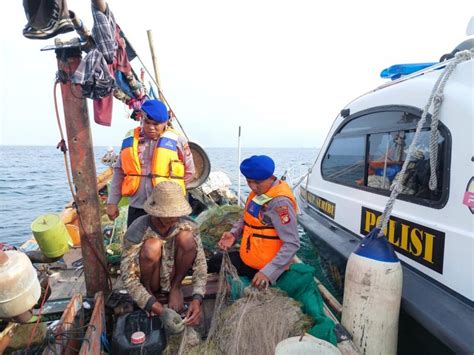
<point>435,100</point>
<point>62,144</point>
<point>33,333</point>
<point>172,115</point>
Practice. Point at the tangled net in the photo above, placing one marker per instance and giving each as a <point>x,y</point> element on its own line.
<point>253,324</point>
<point>216,221</point>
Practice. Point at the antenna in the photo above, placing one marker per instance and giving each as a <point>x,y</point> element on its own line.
<point>470,27</point>
<point>238,170</point>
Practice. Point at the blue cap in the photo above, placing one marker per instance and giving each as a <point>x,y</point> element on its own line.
<point>155,110</point>
<point>257,167</point>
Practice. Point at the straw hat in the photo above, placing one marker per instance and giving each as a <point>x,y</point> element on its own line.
<point>167,200</point>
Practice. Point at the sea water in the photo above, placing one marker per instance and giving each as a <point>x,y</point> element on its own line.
<point>33,180</point>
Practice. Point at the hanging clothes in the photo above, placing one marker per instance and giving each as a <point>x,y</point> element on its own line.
<point>103,33</point>
<point>93,76</point>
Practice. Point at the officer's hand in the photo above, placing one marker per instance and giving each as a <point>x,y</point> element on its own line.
<point>227,240</point>
<point>172,321</point>
<point>260,281</point>
<point>112,211</point>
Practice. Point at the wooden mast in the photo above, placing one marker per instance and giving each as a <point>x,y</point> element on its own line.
<point>79,143</point>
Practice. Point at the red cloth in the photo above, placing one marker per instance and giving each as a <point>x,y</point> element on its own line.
<point>103,111</point>
<point>121,61</point>
<point>103,107</point>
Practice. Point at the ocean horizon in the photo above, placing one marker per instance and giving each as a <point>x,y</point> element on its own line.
<point>33,183</point>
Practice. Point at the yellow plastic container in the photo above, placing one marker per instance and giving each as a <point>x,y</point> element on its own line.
<point>51,235</point>
<point>73,231</point>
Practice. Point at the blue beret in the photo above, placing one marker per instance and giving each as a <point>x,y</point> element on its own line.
<point>257,167</point>
<point>155,110</point>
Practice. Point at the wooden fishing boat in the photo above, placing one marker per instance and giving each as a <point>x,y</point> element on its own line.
<point>66,320</point>
<point>68,302</point>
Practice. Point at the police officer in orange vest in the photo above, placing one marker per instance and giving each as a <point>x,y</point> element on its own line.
<point>151,153</point>
<point>268,229</point>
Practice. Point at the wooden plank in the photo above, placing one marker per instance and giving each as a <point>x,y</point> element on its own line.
<point>66,283</point>
<point>92,344</point>
<point>63,344</point>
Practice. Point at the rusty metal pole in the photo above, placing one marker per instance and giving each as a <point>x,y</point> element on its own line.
<point>79,143</point>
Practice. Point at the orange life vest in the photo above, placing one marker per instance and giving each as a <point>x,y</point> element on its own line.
<point>260,242</point>
<point>165,165</point>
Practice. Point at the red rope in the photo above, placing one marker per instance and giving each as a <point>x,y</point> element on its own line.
<point>39,318</point>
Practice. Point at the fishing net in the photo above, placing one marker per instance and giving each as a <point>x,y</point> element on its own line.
<point>216,221</point>
<point>246,320</point>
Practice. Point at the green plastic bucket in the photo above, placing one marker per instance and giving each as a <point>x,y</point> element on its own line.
<point>51,235</point>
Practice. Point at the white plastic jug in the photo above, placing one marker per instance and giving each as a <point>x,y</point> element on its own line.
<point>308,345</point>
<point>19,285</point>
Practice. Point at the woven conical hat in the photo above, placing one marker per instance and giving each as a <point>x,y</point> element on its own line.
<point>167,200</point>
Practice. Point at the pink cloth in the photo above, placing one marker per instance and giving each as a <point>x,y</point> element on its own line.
<point>103,107</point>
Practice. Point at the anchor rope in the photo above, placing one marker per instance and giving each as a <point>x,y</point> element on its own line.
<point>435,100</point>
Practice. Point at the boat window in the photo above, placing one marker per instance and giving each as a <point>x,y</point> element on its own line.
<point>380,121</point>
<point>344,162</point>
<point>387,153</point>
<point>368,153</point>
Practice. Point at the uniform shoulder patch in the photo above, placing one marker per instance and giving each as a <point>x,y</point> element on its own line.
<point>283,214</point>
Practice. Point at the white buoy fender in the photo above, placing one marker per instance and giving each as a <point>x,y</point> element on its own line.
<point>372,294</point>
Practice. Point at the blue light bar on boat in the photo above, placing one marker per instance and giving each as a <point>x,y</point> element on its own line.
<point>396,71</point>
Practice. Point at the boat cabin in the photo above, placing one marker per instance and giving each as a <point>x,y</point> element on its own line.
<point>431,229</point>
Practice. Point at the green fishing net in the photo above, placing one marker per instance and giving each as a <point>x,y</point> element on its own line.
<point>258,320</point>
<point>215,221</point>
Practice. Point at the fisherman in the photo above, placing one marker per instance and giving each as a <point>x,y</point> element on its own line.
<point>268,227</point>
<point>151,153</point>
<point>158,250</point>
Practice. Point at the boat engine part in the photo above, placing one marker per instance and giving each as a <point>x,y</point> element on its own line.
<point>19,285</point>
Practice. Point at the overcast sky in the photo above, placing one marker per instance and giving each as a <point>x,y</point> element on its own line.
<point>280,69</point>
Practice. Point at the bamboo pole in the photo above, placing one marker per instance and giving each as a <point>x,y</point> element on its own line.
<point>155,64</point>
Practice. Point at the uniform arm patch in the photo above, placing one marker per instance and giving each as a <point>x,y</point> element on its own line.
<point>284,214</point>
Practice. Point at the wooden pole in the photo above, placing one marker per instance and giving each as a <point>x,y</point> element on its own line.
<point>155,64</point>
<point>81,155</point>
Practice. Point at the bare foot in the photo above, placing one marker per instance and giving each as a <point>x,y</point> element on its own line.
<point>176,299</point>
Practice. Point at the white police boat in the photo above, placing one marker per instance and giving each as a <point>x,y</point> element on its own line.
<point>432,225</point>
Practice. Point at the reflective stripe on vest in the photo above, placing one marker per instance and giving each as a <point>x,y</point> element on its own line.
<point>260,242</point>
<point>165,163</point>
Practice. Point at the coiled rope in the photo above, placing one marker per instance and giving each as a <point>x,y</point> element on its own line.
<point>435,100</point>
